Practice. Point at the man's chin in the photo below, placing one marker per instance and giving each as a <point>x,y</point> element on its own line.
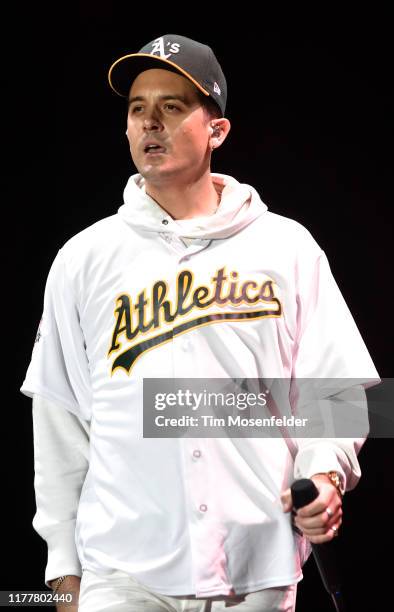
<point>155,174</point>
<point>163,174</point>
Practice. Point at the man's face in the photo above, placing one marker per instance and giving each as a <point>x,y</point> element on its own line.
<point>164,110</point>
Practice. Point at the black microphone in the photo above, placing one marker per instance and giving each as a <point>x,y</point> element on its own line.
<point>303,492</point>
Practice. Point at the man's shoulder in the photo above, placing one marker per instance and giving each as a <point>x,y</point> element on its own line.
<point>287,224</point>
<point>93,235</point>
<point>90,246</point>
<point>287,230</point>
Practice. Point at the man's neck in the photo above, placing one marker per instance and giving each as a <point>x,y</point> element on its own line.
<point>186,201</point>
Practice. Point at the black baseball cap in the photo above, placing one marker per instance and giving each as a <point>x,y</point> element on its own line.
<point>179,54</point>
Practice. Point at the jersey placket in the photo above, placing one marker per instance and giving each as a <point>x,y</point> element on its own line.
<point>209,571</point>
<point>206,530</point>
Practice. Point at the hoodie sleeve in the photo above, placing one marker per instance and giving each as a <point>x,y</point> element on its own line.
<point>332,367</point>
<point>61,461</point>
<point>320,455</point>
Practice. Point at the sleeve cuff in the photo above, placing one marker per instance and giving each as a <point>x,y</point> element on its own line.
<point>318,458</point>
<point>62,554</point>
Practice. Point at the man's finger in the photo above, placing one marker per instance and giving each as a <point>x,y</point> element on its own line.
<point>318,521</point>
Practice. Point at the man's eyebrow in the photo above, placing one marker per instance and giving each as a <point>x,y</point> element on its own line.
<point>167,97</point>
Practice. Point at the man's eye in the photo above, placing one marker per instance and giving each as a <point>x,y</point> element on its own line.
<point>171,107</point>
<point>136,109</point>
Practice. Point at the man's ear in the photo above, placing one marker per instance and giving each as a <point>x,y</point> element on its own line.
<point>219,129</point>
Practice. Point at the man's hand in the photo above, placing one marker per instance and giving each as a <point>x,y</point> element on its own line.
<point>320,520</point>
<point>70,585</point>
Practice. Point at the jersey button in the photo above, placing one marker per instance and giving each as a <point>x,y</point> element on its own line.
<point>197,454</point>
<point>165,222</point>
<point>203,508</point>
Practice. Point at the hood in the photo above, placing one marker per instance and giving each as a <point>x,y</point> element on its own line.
<point>240,205</point>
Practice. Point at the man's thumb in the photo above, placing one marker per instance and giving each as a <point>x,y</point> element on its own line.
<point>286,500</point>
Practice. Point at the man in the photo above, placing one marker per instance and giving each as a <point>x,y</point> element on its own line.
<point>193,278</point>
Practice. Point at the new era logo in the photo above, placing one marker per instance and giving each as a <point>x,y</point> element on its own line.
<point>216,89</point>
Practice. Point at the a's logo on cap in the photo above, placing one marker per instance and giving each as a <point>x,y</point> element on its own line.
<point>159,48</point>
<point>216,89</point>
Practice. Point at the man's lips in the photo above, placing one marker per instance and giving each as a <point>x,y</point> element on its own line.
<point>153,152</point>
<point>153,148</point>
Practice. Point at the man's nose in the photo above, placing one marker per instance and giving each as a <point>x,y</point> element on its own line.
<point>152,124</point>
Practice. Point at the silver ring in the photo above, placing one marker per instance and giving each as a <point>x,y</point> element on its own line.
<point>334,530</point>
<point>329,512</point>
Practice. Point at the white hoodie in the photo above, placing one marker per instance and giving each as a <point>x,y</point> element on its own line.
<point>239,206</point>
<point>243,293</point>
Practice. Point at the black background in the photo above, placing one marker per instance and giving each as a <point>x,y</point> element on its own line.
<point>311,111</point>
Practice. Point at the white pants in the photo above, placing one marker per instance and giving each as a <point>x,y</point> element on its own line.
<point>118,592</point>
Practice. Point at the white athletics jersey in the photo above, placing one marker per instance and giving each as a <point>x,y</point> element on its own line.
<point>242,293</point>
